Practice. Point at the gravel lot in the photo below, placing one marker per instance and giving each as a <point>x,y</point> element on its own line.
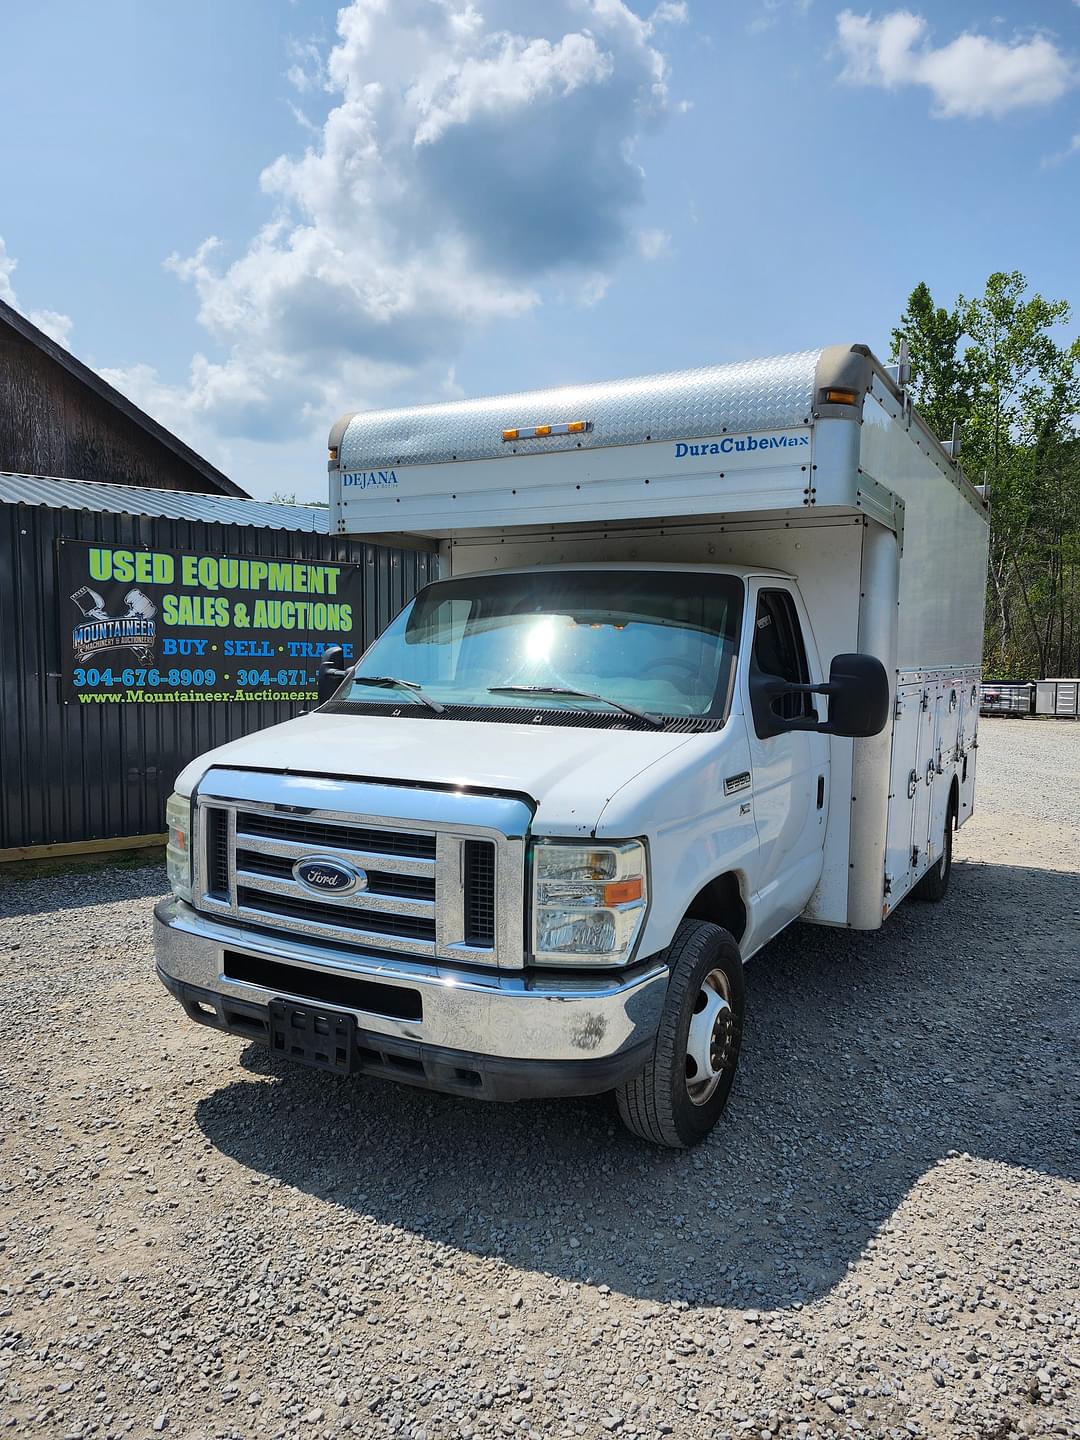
<point>880,1239</point>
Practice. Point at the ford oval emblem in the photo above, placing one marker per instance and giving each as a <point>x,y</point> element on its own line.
<point>327,876</point>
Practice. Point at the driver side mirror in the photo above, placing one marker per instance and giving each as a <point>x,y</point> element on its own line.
<point>331,672</point>
<point>857,691</point>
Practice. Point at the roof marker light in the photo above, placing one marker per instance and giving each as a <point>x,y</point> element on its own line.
<point>541,432</point>
<point>840,397</point>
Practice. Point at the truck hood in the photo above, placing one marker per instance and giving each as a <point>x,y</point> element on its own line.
<point>570,773</point>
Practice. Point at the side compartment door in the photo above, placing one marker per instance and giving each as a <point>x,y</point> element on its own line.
<point>903,791</point>
<point>790,771</point>
<point>945,757</point>
<point>926,776</point>
<point>968,746</point>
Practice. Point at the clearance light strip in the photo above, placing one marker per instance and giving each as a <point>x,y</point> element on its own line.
<point>539,432</point>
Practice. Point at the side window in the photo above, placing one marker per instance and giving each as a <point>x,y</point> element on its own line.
<point>779,650</point>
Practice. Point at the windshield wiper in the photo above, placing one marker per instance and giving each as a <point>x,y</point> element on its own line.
<point>392,682</point>
<point>579,695</point>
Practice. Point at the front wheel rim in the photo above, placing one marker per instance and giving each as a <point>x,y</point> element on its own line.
<point>710,1039</point>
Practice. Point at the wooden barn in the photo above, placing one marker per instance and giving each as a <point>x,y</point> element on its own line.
<point>58,417</point>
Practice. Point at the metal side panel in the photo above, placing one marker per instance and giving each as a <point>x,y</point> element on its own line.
<point>933,744</point>
<point>751,395</point>
<point>905,783</point>
<point>723,475</point>
<point>87,773</point>
<point>1067,699</point>
<point>870,805</point>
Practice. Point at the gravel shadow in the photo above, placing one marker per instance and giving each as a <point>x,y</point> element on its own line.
<point>868,1058</point>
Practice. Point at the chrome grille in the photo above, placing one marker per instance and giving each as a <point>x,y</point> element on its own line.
<point>429,894</point>
<point>217,854</point>
<point>382,882</point>
<point>315,834</point>
<point>479,884</point>
<point>340,917</point>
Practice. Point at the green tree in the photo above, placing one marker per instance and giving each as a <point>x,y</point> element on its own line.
<point>278,498</point>
<point>994,363</point>
<point>939,382</point>
<point>1025,391</point>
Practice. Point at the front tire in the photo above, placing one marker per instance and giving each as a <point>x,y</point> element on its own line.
<point>680,1093</point>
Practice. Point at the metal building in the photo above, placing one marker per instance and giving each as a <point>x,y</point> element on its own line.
<point>59,417</point>
<point>72,774</point>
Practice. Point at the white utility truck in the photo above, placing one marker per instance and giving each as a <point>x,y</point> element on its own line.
<point>702,660</point>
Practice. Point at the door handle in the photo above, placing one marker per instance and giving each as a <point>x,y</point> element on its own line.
<point>820,791</point>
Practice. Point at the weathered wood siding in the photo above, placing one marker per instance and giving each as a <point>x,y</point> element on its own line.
<point>50,424</point>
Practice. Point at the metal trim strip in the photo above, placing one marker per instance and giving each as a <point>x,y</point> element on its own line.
<point>366,859</point>
<point>355,900</point>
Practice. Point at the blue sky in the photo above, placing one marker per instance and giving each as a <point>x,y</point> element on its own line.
<point>251,216</point>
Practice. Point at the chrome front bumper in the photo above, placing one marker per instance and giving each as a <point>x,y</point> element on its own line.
<point>547,1033</point>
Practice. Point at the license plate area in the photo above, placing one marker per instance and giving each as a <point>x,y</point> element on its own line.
<point>313,1035</point>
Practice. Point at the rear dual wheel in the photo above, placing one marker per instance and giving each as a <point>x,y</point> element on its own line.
<point>680,1093</point>
<point>935,883</point>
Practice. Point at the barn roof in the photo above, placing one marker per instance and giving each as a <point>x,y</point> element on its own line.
<point>219,483</point>
<point>173,504</point>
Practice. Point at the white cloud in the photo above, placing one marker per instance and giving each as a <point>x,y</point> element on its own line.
<point>519,75</point>
<point>7,269</point>
<point>972,75</point>
<point>55,325</point>
<point>308,69</point>
<point>769,13</point>
<point>1073,148</point>
<point>676,12</point>
<point>58,327</point>
<point>470,166</point>
<point>654,244</point>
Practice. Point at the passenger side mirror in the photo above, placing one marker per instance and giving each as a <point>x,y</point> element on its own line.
<point>331,672</point>
<point>858,694</point>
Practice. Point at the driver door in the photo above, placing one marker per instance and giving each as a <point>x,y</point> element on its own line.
<point>790,771</point>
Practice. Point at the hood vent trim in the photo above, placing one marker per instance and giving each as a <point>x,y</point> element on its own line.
<point>527,715</point>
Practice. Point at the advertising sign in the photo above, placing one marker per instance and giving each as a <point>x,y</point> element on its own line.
<point>163,626</point>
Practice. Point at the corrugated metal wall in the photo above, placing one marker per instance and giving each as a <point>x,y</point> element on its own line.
<point>89,772</point>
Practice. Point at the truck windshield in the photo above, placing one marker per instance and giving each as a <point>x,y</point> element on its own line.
<point>663,642</point>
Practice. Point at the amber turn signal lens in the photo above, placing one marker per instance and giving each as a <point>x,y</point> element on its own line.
<point>840,397</point>
<point>622,892</point>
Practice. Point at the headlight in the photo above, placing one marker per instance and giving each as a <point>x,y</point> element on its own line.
<point>588,902</point>
<point>178,846</point>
